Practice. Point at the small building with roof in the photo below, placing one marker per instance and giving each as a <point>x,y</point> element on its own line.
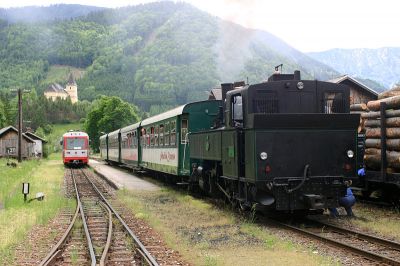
<point>359,92</point>
<point>39,143</point>
<point>55,90</point>
<point>9,143</point>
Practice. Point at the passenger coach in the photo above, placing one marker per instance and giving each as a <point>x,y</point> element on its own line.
<point>165,137</point>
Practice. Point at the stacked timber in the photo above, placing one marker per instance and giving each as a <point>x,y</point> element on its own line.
<point>359,108</point>
<point>373,132</point>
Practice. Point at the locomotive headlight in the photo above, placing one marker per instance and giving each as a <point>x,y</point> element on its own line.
<point>350,154</point>
<point>300,85</point>
<point>263,156</point>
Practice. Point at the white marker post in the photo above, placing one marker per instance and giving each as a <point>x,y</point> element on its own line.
<point>25,190</point>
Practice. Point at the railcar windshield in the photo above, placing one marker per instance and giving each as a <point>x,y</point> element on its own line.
<point>76,143</point>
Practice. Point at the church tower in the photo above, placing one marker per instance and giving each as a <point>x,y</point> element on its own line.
<point>72,89</point>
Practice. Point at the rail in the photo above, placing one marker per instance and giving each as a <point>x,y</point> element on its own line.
<point>357,250</point>
<point>141,248</point>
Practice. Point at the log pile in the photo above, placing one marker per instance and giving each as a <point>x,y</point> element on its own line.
<point>359,108</point>
<point>372,125</point>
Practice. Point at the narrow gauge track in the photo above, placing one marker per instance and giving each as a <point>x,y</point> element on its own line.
<point>372,248</point>
<point>99,230</point>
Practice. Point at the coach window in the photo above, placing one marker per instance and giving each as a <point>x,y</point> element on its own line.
<point>152,136</point>
<point>161,135</point>
<point>237,111</point>
<point>184,131</point>
<point>143,137</point>
<point>134,140</point>
<point>172,133</point>
<point>148,137</point>
<point>126,141</point>
<point>157,129</point>
<point>166,134</point>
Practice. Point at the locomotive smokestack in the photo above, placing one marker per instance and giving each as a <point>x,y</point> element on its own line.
<point>297,75</point>
<point>225,87</point>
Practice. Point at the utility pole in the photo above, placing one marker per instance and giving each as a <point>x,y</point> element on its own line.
<point>19,125</point>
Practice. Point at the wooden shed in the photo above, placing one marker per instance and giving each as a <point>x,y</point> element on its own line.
<point>39,143</point>
<point>359,93</point>
<point>9,143</point>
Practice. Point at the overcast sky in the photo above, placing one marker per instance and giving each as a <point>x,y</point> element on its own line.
<point>308,25</point>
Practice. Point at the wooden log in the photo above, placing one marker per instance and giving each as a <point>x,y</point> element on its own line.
<point>374,160</point>
<point>389,93</point>
<point>388,113</point>
<point>375,132</point>
<point>391,144</point>
<point>391,103</point>
<point>359,107</point>
<point>358,112</point>
<point>361,126</point>
<point>390,122</point>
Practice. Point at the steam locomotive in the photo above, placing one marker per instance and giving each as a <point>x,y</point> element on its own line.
<point>286,144</point>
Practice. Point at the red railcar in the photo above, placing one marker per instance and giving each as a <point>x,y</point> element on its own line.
<point>75,148</point>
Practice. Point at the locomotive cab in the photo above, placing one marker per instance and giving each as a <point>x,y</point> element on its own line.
<point>290,143</point>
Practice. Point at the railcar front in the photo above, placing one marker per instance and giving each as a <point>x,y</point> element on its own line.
<point>75,148</point>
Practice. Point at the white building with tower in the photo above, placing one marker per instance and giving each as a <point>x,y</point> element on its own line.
<point>55,90</point>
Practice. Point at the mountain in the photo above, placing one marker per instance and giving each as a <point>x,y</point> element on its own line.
<point>31,14</point>
<point>155,55</point>
<point>381,65</point>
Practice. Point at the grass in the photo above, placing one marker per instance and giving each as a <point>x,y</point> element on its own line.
<point>206,235</point>
<point>384,222</point>
<point>17,217</point>
<point>60,74</point>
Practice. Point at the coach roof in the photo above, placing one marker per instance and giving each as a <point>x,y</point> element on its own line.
<point>131,127</point>
<point>169,114</point>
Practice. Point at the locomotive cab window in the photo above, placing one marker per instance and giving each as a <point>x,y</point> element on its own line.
<point>184,131</point>
<point>333,102</point>
<point>237,111</point>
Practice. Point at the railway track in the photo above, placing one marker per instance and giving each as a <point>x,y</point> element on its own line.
<point>372,248</point>
<point>97,235</point>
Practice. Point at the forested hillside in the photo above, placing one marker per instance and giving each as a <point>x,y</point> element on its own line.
<point>156,55</point>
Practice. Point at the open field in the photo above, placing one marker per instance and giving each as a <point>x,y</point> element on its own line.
<point>60,74</point>
<point>16,217</point>
<point>206,235</point>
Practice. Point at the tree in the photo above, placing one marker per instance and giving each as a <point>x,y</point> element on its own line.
<point>106,115</point>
